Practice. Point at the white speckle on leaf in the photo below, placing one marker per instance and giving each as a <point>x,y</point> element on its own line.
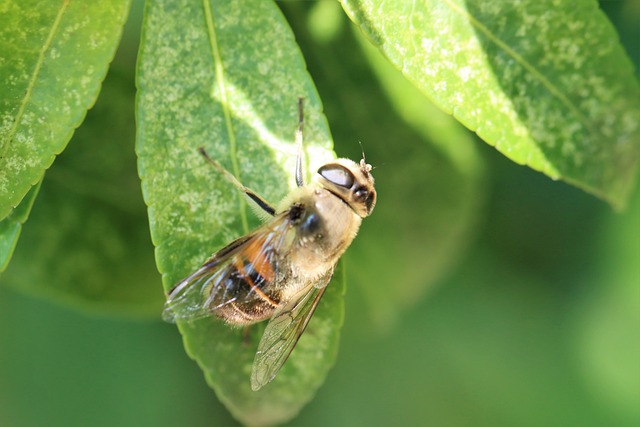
<point>427,45</point>
<point>465,73</point>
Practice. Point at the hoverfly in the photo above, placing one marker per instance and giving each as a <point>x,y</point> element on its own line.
<point>281,270</point>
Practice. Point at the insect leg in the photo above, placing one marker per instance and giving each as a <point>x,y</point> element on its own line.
<point>262,203</point>
<point>299,179</point>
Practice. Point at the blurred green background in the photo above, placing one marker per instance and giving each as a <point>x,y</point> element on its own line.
<point>530,318</point>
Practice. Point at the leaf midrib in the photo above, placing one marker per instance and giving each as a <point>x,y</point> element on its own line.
<point>220,77</point>
<point>32,81</point>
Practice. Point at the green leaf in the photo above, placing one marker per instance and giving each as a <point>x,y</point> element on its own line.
<point>87,242</point>
<point>11,226</point>
<point>545,82</point>
<point>226,75</point>
<point>53,56</point>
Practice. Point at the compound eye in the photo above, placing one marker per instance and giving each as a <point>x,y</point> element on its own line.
<point>366,197</point>
<point>337,174</point>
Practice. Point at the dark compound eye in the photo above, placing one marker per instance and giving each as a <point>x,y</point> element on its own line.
<point>363,195</point>
<point>337,174</point>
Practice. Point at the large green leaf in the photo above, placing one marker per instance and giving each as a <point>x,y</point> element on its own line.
<point>226,75</point>
<point>87,241</point>
<point>53,56</point>
<point>545,82</point>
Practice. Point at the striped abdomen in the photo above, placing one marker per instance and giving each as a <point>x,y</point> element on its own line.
<point>245,292</point>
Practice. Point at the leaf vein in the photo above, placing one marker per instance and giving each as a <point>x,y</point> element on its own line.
<point>220,78</point>
<point>32,81</point>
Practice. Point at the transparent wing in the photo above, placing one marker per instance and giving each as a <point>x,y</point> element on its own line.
<point>283,332</point>
<point>206,289</point>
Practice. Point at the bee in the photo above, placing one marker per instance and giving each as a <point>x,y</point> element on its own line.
<point>280,271</point>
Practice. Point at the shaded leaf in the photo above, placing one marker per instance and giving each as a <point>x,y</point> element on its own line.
<point>87,241</point>
<point>53,57</point>
<point>11,226</point>
<point>546,83</point>
<point>226,75</point>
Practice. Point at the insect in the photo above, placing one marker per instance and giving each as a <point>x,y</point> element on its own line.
<point>280,270</point>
